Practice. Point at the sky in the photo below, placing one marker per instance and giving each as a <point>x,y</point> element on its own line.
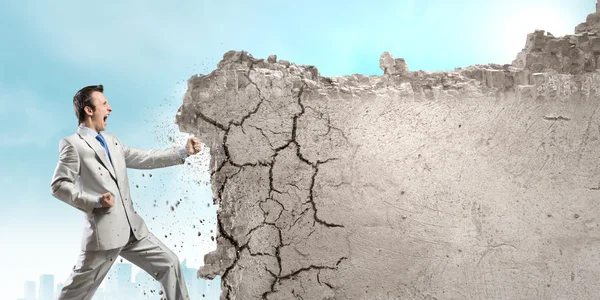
<point>144,51</point>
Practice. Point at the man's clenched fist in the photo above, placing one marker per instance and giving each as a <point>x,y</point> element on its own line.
<point>107,200</point>
<point>193,146</point>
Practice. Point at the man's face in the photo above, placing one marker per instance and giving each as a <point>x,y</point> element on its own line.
<point>101,113</point>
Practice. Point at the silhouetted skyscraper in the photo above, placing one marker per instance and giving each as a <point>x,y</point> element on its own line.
<point>29,292</point>
<point>46,291</point>
<point>212,288</point>
<point>58,289</point>
<point>99,295</point>
<point>118,283</point>
<point>146,286</point>
<point>192,281</point>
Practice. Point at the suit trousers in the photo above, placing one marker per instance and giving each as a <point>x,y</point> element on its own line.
<point>149,254</point>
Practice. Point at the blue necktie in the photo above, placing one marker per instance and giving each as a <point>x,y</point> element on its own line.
<point>100,139</point>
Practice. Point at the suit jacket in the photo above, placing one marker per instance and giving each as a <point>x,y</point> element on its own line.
<point>84,173</point>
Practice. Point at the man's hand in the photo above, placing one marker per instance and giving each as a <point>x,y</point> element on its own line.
<point>107,200</point>
<point>193,146</point>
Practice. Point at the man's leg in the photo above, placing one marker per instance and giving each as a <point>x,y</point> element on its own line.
<point>152,256</point>
<point>88,273</point>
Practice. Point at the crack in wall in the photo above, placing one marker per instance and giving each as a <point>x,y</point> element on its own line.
<point>557,118</point>
<point>312,200</point>
<point>238,249</point>
<point>272,189</point>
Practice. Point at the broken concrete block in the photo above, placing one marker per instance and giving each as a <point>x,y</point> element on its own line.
<point>391,66</point>
<point>386,63</point>
<point>410,185</point>
<point>400,66</point>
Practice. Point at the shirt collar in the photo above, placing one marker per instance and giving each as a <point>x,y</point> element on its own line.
<point>88,131</point>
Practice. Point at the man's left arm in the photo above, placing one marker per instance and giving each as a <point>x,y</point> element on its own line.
<point>159,158</point>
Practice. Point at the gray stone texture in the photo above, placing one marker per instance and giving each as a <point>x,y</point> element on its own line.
<point>478,183</point>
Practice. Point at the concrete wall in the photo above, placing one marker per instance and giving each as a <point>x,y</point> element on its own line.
<point>482,183</point>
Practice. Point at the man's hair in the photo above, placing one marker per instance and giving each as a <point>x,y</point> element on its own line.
<point>83,98</point>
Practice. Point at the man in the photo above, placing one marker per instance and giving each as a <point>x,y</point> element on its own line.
<point>91,175</point>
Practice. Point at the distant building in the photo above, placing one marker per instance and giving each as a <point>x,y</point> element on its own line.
<point>194,285</point>
<point>118,283</point>
<point>200,289</point>
<point>99,295</point>
<point>30,290</point>
<point>58,289</point>
<point>212,288</point>
<point>146,286</point>
<point>46,291</point>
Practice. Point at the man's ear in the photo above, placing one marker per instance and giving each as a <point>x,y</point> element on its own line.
<point>88,110</point>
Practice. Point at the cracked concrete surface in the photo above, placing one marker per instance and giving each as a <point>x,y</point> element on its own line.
<point>478,183</point>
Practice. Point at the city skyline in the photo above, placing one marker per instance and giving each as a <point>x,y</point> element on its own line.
<point>122,284</point>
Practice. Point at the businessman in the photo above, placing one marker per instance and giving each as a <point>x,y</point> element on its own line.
<point>91,175</point>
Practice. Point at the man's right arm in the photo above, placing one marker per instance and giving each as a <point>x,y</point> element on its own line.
<point>63,181</point>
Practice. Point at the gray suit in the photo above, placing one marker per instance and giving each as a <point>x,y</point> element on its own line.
<point>83,173</point>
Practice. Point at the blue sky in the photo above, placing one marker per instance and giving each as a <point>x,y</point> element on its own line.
<point>144,51</point>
